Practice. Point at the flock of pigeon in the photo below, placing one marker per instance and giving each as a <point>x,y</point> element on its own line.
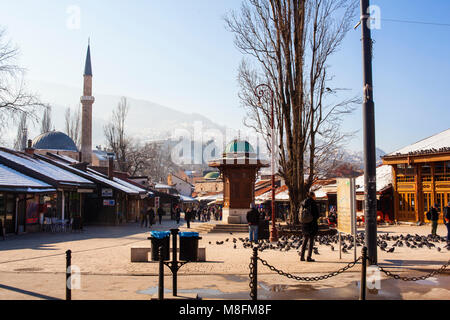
<point>286,243</point>
<point>426,151</point>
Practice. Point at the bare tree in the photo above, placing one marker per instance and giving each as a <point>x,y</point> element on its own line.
<point>73,125</point>
<point>116,137</point>
<point>15,100</point>
<point>46,122</point>
<point>288,43</point>
<point>22,134</point>
<point>150,160</point>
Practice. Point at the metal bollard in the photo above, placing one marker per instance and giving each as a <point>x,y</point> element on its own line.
<point>68,275</point>
<point>254,280</point>
<point>174,261</point>
<point>362,295</point>
<point>161,274</point>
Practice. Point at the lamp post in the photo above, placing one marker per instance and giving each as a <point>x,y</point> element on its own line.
<point>261,90</point>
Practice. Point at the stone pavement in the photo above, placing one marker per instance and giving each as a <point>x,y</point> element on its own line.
<point>32,266</point>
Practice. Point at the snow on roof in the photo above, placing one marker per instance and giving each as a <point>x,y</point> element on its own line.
<point>12,178</point>
<point>96,176</point>
<point>44,167</point>
<point>438,141</point>
<point>129,185</point>
<point>186,198</point>
<point>384,179</point>
<point>162,186</point>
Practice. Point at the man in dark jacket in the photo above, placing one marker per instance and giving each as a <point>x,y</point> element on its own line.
<point>433,216</point>
<point>309,230</point>
<point>188,217</point>
<point>253,222</point>
<point>151,216</point>
<point>177,214</point>
<point>160,214</point>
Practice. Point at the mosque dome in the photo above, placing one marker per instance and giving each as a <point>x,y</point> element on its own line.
<point>212,176</point>
<point>54,140</point>
<point>239,146</point>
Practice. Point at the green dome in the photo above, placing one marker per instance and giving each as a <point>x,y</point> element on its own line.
<point>239,146</point>
<point>212,175</point>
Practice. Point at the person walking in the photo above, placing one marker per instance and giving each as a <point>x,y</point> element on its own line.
<point>433,216</point>
<point>310,226</point>
<point>160,214</point>
<point>188,217</point>
<point>144,218</point>
<point>253,222</point>
<point>178,215</point>
<point>151,217</point>
<point>447,220</point>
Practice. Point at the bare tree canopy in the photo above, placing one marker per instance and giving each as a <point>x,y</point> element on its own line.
<point>116,137</point>
<point>73,125</point>
<point>22,134</point>
<point>46,122</point>
<point>15,100</point>
<point>288,44</point>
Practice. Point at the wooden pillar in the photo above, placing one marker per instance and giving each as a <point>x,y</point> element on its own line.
<point>419,193</point>
<point>395,191</point>
<point>433,186</point>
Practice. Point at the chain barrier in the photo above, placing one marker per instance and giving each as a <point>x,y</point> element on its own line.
<point>318,278</point>
<point>398,277</point>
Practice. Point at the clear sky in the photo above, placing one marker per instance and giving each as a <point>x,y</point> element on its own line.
<point>179,54</point>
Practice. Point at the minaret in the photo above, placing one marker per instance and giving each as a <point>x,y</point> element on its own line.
<point>86,114</point>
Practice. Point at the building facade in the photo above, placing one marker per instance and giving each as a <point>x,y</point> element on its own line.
<point>421,177</point>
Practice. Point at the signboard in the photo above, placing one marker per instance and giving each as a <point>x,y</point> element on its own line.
<point>156,202</point>
<point>107,192</point>
<point>109,203</point>
<point>346,205</point>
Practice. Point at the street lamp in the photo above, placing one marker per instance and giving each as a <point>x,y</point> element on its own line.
<point>261,91</point>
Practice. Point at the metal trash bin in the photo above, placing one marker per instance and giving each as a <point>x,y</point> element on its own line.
<point>158,239</point>
<point>189,246</point>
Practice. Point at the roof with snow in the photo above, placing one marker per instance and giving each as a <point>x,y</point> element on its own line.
<point>13,180</point>
<point>384,179</point>
<point>42,167</point>
<point>438,143</point>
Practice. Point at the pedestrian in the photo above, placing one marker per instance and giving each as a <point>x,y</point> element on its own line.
<point>151,217</point>
<point>160,214</point>
<point>253,222</point>
<point>178,215</point>
<point>433,216</point>
<point>310,228</point>
<point>447,220</point>
<point>144,216</point>
<point>188,217</point>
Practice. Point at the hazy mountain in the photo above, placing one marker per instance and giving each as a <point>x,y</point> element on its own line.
<point>358,157</point>
<point>146,120</point>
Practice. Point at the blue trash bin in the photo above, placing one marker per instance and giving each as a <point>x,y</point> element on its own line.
<point>189,246</point>
<point>160,239</point>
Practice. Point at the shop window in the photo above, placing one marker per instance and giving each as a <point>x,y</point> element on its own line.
<point>426,172</point>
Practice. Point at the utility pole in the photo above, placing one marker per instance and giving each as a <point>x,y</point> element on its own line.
<point>370,202</point>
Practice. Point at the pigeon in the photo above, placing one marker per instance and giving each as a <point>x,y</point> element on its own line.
<point>344,250</point>
<point>391,250</point>
<point>332,248</point>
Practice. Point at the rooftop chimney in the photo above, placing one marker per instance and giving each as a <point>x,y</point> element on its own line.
<point>29,150</point>
<point>110,167</point>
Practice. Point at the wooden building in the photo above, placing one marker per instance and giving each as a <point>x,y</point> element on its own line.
<point>421,174</point>
<point>239,167</point>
